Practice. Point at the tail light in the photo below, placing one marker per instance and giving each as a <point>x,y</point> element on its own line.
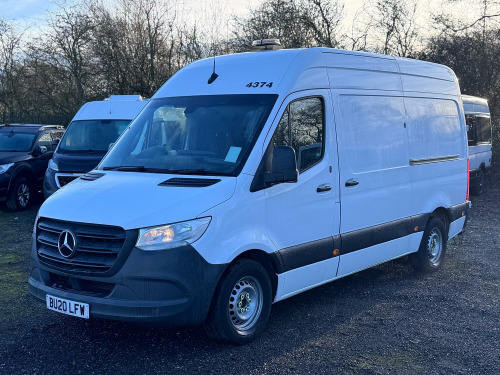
<point>468,181</point>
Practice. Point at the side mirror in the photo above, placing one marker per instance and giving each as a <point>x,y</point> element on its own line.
<point>39,150</point>
<point>284,166</point>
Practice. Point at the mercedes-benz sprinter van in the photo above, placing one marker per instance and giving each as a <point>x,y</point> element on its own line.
<point>95,126</point>
<point>253,179</point>
<point>477,117</point>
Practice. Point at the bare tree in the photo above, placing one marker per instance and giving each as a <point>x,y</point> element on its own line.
<point>394,22</point>
<point>67,46</point>
<point>135,44</point>
<point>10,67</point>
<point>357,36</point>
<point>485,12</point>
<point>323,19</point>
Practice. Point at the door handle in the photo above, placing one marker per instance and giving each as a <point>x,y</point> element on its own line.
<point>324,187</point>
<point>351,182</point>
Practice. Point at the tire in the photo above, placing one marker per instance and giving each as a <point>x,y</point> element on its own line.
<point>20,194</point>
<point>478,187</point>
<point>241,304</point>
<point>430,254</point>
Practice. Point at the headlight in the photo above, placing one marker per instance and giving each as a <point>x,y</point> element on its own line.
<point>172,235</point>
<point>53,165</point>
<point>4,167</point>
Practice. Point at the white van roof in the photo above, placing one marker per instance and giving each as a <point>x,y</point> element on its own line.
<point>300,69</point>
<point>475,105</point>
<point>116,107</point>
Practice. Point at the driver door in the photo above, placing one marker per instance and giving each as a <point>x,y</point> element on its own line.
<point>302,217</point>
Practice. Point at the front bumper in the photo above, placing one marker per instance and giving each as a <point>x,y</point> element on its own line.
<point>49,183</point>
<point>172,287</point>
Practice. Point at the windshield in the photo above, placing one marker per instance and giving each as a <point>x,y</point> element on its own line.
<point>20,142</point>
<point>91,135</point>
<point>192,135</point>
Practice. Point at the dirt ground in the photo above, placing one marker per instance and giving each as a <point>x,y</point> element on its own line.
<point>385,320</point>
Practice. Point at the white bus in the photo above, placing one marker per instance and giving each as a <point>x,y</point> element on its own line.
<point>202,213</point>
<point>477,117</point>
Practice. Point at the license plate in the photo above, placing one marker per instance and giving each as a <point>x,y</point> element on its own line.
<point>65,306</point>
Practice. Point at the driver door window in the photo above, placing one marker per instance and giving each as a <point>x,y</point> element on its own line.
<point>302,127</point>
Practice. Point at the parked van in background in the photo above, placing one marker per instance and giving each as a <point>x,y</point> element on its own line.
<point>477,117</point>
<point>250,178</point>
<point>91,132</point>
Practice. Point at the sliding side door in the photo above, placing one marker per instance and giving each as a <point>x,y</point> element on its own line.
<point>374,179</point>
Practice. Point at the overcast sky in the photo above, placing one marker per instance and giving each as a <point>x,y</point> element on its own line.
<point>33,11</point>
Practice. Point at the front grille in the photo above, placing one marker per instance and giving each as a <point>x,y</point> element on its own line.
<point>64,180</point>
<point>97,246</point>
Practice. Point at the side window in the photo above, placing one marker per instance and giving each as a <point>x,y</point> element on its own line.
<point>307,131</point>
<point>56,136</point>
<point>302,127</point>
<point>483,129</point>
<point>281,136</point>
<point>45,140</point>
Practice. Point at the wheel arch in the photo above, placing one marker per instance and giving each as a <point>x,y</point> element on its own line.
<point>443,214</point>
<point>23,170</point>
<point>271,262</point>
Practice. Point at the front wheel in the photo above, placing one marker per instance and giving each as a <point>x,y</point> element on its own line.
<point>20,195</point>
<point>242,303</point>
<point>430,255</point>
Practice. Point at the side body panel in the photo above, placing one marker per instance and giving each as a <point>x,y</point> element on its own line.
<point>374,174</point>
<point>480,157</point>
<point>437,136</point>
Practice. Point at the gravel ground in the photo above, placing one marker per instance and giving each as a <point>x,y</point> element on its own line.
<point>386,320</point>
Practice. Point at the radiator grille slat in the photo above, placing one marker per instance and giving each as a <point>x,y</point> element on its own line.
<point>97,246</point>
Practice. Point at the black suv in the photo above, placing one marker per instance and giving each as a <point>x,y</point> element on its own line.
<point>25,151</point>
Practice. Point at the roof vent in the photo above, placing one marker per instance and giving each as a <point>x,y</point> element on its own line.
<point>189,182</point>
<point>92,176</point>
<point>266,45</point>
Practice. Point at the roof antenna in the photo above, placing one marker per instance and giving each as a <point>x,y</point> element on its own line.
<point>214,75</point>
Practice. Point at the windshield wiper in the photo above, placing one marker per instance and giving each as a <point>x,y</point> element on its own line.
<point>127,168</point>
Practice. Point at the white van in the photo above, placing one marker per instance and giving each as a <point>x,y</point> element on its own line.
<point>477,118</point>
<point>95,126</point>
<point>200,213</point>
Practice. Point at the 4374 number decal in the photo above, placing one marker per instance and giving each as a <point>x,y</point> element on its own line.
<point>259,84</point>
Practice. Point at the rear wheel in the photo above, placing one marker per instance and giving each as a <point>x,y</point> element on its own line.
<point>242,303</point>
<point>478,187</point>
<point>20,194</point>
<point>430,255</point>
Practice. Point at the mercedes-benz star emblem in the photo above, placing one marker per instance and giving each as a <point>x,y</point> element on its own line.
<point>66,244</point>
